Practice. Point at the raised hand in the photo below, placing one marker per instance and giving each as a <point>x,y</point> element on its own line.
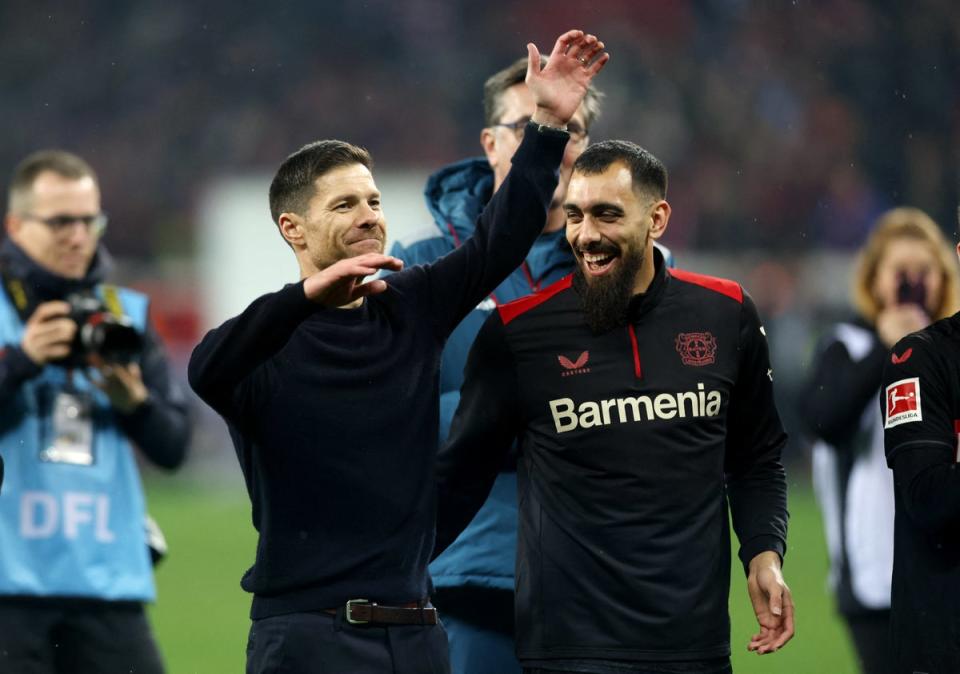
<point>341,284</point>
<point>560,86</point>
<point>772,604</point>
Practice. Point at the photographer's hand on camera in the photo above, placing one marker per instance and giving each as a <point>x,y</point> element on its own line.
<point>898,320</point>
<point>122,384</point>
<point>48,333</point>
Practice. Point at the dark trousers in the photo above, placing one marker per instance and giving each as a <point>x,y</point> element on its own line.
<point>320,643</point>
<point>50,636</point>
<point>871,639</point>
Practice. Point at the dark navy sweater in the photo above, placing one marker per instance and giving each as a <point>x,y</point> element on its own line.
<point>334,412</point>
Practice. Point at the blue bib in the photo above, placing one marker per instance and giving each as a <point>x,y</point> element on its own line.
<point>66,529</point>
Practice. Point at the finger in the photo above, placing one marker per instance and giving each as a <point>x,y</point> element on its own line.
<point>378,260</point>
<point>48,310</point>
<point>788,621</point>
<point>776,600</point>
<point>370,288</point>
<point>565,41</point>
<point>599,64</point>
<point>54,326</point>
<point>55,351</point>
<point>533,61</point>
<point>591,51</point>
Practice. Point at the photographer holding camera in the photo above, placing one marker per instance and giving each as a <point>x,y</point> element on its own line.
<point>83,378</point>
<point>906,278</point>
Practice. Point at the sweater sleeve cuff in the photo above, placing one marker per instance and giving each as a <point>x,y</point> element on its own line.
<point>758,544</point>
<point>541,147</point>
<point>18,365</point>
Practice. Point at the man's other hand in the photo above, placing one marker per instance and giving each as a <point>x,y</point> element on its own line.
<point>123,384</point>
<point>48,333</point>
<point>772,604</point>
<point>341,284</point>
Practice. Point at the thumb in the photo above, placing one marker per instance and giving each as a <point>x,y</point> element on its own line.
<point>533,61</point>
<point>776,601</point>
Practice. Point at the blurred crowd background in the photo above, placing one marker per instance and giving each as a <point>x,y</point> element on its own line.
<point>787,127</point>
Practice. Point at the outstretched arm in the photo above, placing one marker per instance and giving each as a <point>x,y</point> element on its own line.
<point>517,213</point>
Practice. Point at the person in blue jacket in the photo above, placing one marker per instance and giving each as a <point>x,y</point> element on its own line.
<point>75,569</point>
<point>474,577</point>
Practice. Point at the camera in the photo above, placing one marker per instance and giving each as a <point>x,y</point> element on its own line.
<point>910,292</point>
<point>113,338</point>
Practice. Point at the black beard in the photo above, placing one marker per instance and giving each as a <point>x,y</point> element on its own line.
<point>605,299</point>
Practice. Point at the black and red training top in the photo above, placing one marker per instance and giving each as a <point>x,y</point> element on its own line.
<point>631,442</point>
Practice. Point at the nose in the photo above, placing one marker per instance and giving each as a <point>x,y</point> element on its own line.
<point>589,232</point>
<point>77,232</point>
<point>369,216</point>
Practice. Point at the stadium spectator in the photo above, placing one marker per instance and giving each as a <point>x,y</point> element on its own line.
<point>640,397</point>
<point>75,570</point>
<point>906,277</point>
<point>329,388</point>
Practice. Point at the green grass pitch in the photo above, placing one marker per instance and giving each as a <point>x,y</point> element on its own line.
<point>201,619</point>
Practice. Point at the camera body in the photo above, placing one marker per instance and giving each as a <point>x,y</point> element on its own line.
<point>100,332</point>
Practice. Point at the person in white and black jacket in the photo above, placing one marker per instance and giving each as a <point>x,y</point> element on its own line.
<point>906,275</point>
<point>641,399</point>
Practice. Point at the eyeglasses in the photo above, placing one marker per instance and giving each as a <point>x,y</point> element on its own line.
<point>577,132</point>
<point>60,224</point>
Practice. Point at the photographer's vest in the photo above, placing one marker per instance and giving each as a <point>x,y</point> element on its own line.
<point>67,529</point>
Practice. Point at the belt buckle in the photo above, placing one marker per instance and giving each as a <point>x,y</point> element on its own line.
<point>349,611</point>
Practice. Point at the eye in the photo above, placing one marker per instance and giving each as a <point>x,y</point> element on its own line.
<point>375,204</point>
<point>574,216</point>
<point>609,216</point>
<point>342,206</point>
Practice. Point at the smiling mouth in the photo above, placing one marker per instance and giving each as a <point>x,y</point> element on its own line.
<point>599,262</point>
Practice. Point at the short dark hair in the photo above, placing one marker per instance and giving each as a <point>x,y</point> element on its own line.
<point>648,173</point>
<point>516,73</point>
<point>293,186</point>
<point>63,163</point>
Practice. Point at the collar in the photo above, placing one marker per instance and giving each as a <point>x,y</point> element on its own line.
<point>641,303</point>
<point>37,284</point>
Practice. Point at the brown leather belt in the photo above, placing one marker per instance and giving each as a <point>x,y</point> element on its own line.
<point>364,612</point>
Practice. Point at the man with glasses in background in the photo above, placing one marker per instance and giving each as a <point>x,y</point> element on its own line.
<point>474,578</point>
<point>83,378</point>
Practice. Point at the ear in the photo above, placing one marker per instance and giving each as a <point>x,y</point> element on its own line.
<point>488,141</point>
<point>661,217</point>
<point>12,224</point>
<point>291,227</point>
<point>958,250</point>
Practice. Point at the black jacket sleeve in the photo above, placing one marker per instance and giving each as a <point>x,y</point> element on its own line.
<point>161,426</point>
<point>15,368</point>
<point>229,354</point>
<point>505,231</point>
<point>839,391</point>
<point>922,452</point>
<point>756,484</point>
<point>484,428</point>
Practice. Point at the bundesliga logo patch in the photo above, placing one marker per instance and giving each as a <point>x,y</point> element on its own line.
<point>903,402</point>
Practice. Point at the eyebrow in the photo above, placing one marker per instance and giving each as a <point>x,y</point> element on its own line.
<point>596,207</point>
<point>352,196</point>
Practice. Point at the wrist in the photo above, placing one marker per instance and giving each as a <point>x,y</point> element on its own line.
<point>545,118</point>
<point>765,559</point>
